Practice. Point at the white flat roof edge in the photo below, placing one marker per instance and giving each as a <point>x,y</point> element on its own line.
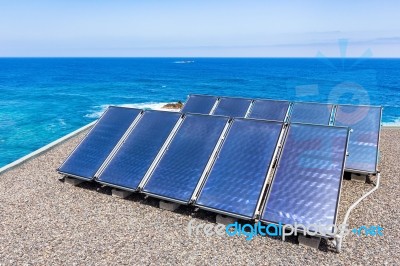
<point>44,149</point>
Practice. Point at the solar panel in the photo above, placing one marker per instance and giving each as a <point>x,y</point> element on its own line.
<point>238,176</point>
<point>182,165</point>
<point>233,107</point>
<point>269,110</point>
<point>363,144</point>
<point>130,163</point>
<point>312,113</point>
<point>199,104</point>
<point>90,154</point>
<point>306,186</point>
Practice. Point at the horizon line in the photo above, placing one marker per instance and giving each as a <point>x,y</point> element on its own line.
<point>188,57</point>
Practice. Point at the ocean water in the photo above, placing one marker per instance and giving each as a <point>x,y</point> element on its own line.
<point>43,99</point>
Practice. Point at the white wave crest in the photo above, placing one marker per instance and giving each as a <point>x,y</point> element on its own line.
<point>99,110</point>
<point>184,62</point>
<point>395,123</point>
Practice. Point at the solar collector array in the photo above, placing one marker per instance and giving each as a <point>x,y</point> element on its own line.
<point>306,184</point>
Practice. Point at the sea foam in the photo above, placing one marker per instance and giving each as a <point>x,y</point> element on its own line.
<point>99,110</point>
<point>395,123</point>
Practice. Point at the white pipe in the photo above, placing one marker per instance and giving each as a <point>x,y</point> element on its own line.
<point>338,238</point>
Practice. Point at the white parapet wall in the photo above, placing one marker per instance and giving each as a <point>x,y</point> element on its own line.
<point>44,149</point>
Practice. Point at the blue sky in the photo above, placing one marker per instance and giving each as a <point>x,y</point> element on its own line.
<point>198,28</point>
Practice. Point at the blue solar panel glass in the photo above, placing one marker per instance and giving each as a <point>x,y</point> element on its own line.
<point>312,113</point>
<point>307,181</point>
<point>182,165</point>
<point>269,110</point>
<point>133,159</point>
<point>363,144</point>
<point>232,107</point>
<point>86,160</point>
<point>235,182</point>
<point>199,104</point>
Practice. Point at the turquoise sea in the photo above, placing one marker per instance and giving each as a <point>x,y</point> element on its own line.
<point>42,99</point>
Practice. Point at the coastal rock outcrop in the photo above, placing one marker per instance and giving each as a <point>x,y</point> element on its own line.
<point>177,105</point>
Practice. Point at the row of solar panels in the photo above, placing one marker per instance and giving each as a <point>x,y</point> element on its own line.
<point>218,163</point>
<point>365,121</point>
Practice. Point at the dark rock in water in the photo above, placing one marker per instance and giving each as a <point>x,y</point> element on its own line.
<point>177,105</point>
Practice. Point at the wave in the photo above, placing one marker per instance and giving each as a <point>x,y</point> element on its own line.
<point>395,123</point>
<point>146,106</point>
<point>183,62</point>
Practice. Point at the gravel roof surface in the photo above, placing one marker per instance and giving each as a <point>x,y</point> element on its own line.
<point>45,221</point>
